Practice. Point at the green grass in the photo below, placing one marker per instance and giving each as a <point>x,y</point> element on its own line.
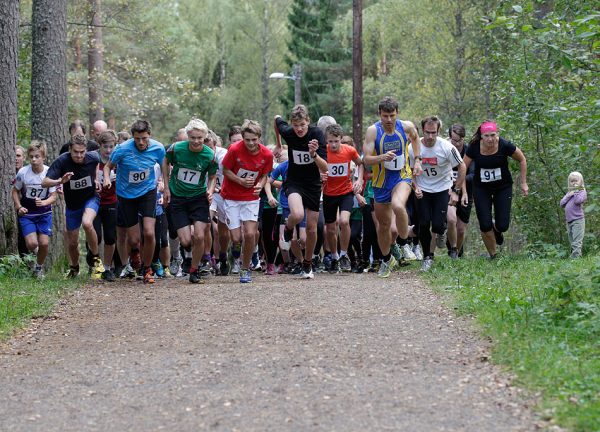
<point>23,297</point>
<point>543,316</point>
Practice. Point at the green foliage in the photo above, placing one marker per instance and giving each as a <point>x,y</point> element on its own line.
<point>317,46</point>
<point>547,97</point>
<point>23,297</point>
<point>543,316</point>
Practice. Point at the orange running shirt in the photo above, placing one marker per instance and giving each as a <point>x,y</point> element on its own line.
<point>338,171</point>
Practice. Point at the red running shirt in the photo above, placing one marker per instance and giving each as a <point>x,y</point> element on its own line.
<point>245,164</point>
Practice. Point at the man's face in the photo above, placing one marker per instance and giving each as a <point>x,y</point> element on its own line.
<point>19,159</point>
<point>388,119</point>
<point>300,127</point>
<point>107,148</point>
<point>141,140</point>
<point>430,133</point>
<point>235,138</point>
<point>35,158</point>
<point>251,141</point>
<point>78,153</point>
<point>457,141</point>
<point>196,139</point>
<point>334,142</point>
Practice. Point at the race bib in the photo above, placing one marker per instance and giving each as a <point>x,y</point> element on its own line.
<point>33,192</point>
<point>138,176</point>
<point>490,175</point>
<point>301,157</point>
<point>337,170</point>
<point>395,164</point>
<point>81,183</point>
<point>242,173</point>
<point>430,171</point>
<point>454,175</point>
<point>189,176</point>
<point>113,176</point>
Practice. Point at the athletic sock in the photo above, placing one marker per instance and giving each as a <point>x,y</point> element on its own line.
<point>402,241</point>
<point>236,250</point>
<point>343,252</point>
<point>386,258</point>
<point>335,255</point>
<point>288,234</point>
<point>174,245</point>
<point>187,253</point>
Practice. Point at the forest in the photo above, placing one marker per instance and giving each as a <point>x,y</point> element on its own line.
<point>530,65</point>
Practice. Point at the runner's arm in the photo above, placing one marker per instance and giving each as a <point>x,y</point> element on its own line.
<point>520,157</point>
<point>369,148</point>
<point>413,135</point>
<point>166,172</point>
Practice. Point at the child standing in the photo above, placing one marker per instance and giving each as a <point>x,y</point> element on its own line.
<point>573,202</point>
<point>34,204</point>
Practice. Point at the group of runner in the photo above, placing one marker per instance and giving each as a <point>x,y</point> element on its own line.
<point>310,203</point>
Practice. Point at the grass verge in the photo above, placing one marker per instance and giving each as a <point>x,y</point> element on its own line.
<point>543,316</point>
<point>23,297</point>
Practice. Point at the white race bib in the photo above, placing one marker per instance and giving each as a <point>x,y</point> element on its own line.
<point>33,192</point>
<point>81,183</point>
<point>490,174</point>
<point>138,176</point>
<point>395,164</point>
<point>337,170</point>
<point>454,175</point>
<point>189,176</point>
<point>242,173</point>
<point>301,157</point>
<point>113,176</point>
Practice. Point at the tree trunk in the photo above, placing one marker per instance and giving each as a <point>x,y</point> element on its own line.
<point>95,62</point>
<point>49,93</point>
<point>264,48</point>
<point>357,74</point>
<point>9,50</point>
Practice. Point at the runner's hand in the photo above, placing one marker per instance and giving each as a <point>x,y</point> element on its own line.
<point>257,190</point>
<point>361,200</point>
<point>66,177</point>
<point>38,202</point>
<point>389,156</point>
<point>418,192</point>
<point>247,182</point>
<point>166,197</point>
<point>313,145</point>
<point>524,189</point>
<point>209,197</point>
<point>273,202</point>
<point>22,211</point>
<point>357,186</point>
<point>106,183</point>
<point>453,198</point>
<point>464,200</point>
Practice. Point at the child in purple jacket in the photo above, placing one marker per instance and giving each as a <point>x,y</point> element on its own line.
<point>572,202</point>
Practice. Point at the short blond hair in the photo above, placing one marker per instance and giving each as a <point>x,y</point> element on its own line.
<point>197,124</point>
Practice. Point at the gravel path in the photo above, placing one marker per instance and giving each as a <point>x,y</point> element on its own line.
<point>343,352</point>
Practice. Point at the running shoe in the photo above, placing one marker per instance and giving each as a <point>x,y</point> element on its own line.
<point>345,264</point>
<point>148,276</point>
<point>281,269</point>
<point>72,273</point>
<point>135,260</point>
<point>185,266</point>
<point>255,264</point>
<point>426,264</point>
<point>374,267</point>
<point>224,268</point>
<point>386,268</point>
<point>453,253</point>
<point>395,251</point>
<point>407,253</point>
<point>175,266</point>
<point>205,268</point>
<point>296,269</point>
<point>108,275</point>
<point>327,262</point>
<point>158,269</point>
<point>38,272</point>
<point>196,276</point>
<point>168,272</point>
<point>334,266</point>
<point>270,270</point>
<point>440,240</point>
<point>307,273</point>
<point>97,269</point>
<point>127,272</point>
<point>418,252</point>
<point>235,268</point>
<point>245,276</point>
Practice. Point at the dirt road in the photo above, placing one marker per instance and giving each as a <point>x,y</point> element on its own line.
<point>345,353</point>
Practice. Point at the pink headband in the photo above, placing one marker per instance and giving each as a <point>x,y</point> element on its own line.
<point>487,127</point>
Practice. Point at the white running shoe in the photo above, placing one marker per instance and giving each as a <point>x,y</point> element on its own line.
<point>407,253</point>
<point>418,252</point>
<point>426,264</point>
<point>235,268</point>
